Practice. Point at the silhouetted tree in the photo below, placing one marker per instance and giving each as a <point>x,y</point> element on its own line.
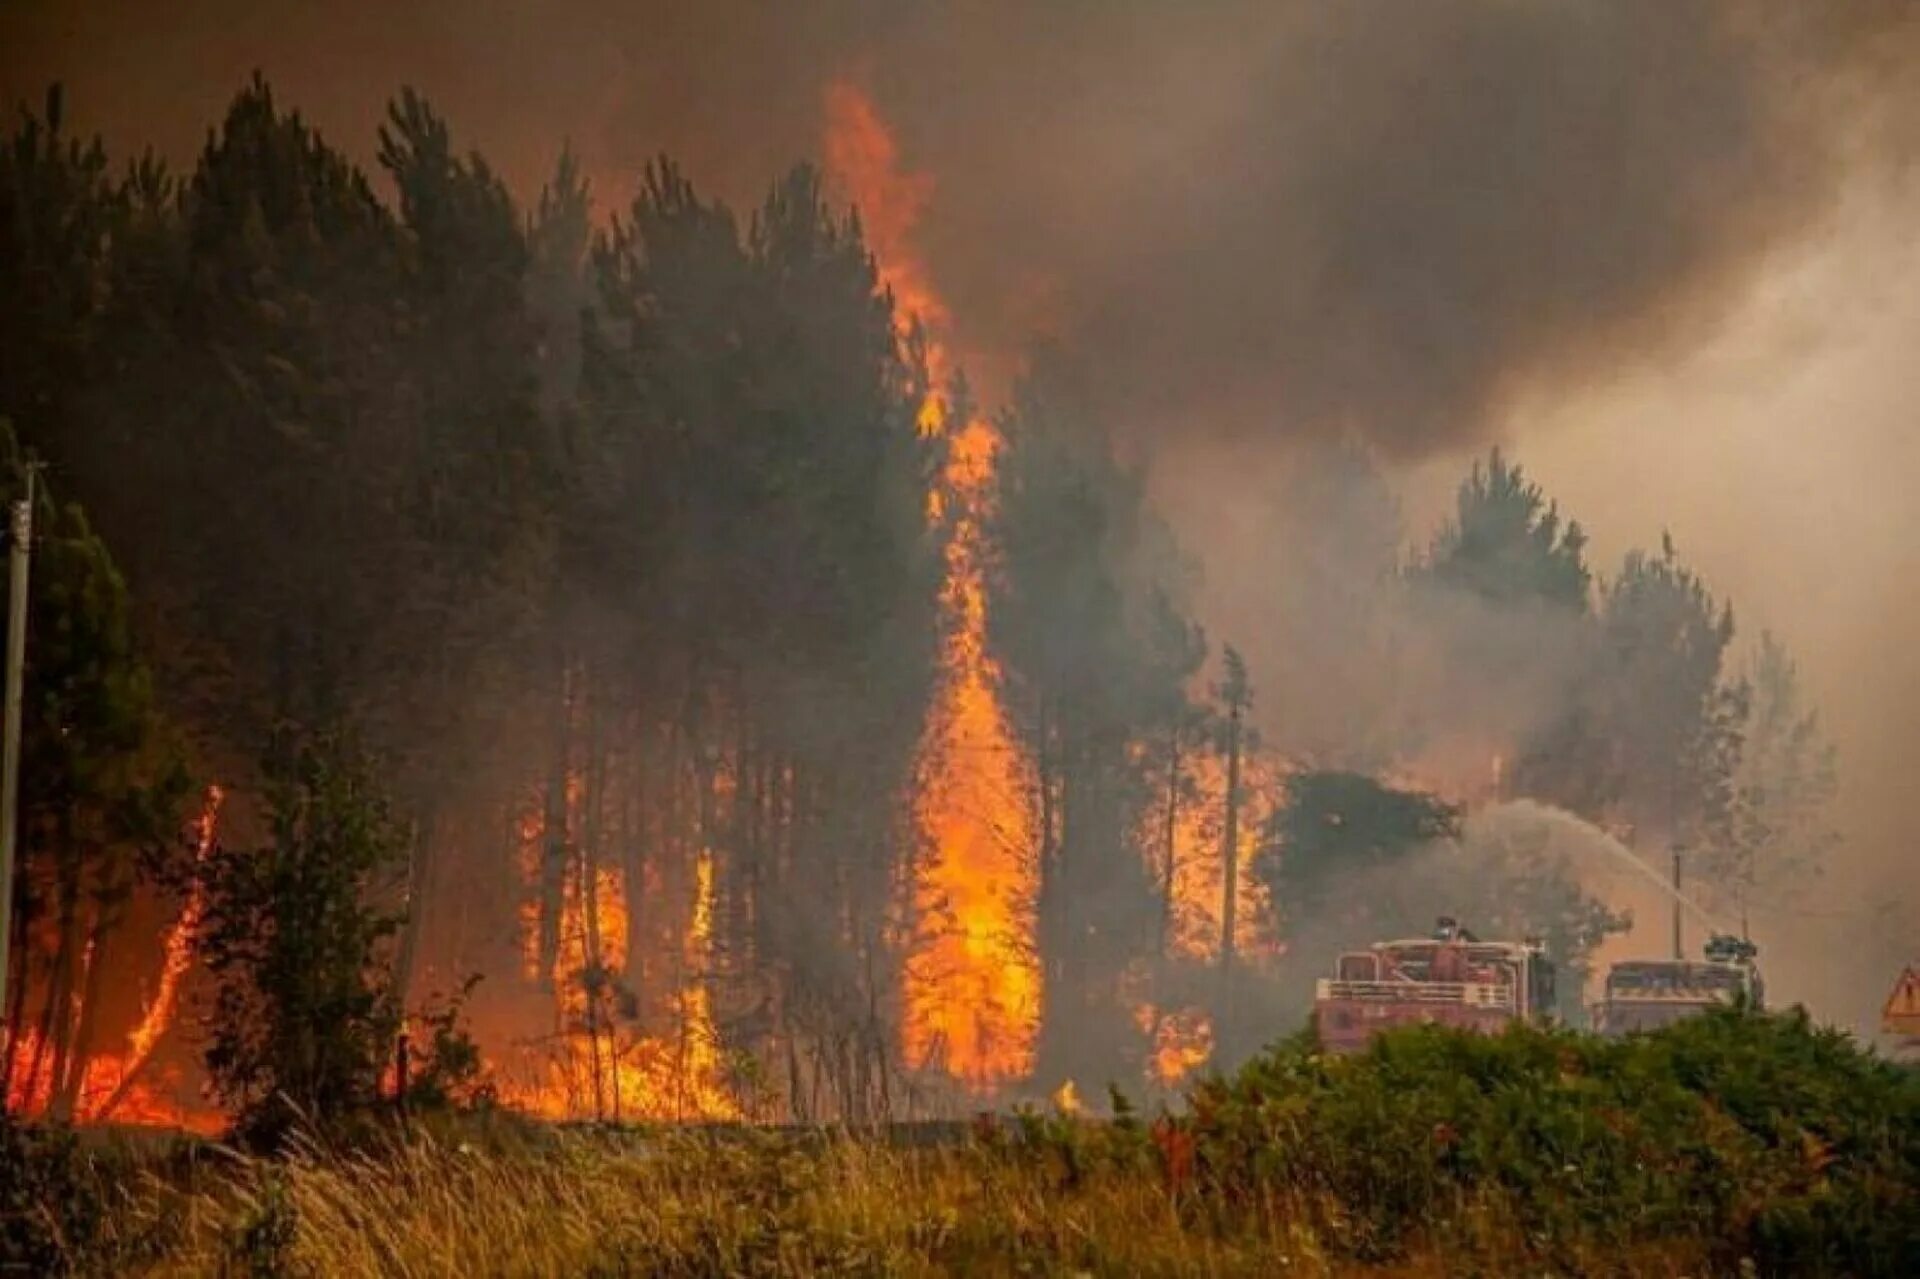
<point>305,1011</point>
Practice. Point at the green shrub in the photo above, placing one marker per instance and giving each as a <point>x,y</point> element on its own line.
<point>1762,1138</point>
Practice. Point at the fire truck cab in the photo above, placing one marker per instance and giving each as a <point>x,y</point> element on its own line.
<point>1646,994</point>
<point>1451,979</point>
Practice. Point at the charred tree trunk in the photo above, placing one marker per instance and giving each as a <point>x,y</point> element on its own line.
<point>419,876</point>
<point>553,860</point>
<point>1230,867</point>
<point>56,1035</point>
<point>1170,841</point>
<point>16,1010</point>
<point>87,1017</point>
<point>638,850</point>
<point>592,973</point>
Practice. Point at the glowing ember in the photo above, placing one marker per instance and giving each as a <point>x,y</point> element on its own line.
<point>972,982</point>
<point>1066,1098</point>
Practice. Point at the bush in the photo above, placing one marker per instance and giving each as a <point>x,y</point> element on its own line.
<point>1760,1138</point>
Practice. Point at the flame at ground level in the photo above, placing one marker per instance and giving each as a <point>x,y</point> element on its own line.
<point>598,1064</point>
<point>142,1094</point>
<point>131,1087</point>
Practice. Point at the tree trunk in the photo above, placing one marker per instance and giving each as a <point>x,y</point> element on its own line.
<point>592,974</point>
<point>87,1020</point>
<point>638,851</point>
<point>1170,838</point>
<point>16,1011</point>
<point>57,1032</point>
<point>553,861</point>
<point>419,875</point>
<point>1230,861</point>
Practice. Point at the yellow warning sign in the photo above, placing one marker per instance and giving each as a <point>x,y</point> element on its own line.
<point>1901,1016</point>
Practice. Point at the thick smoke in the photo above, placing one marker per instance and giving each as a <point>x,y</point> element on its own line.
<point>1263,216</point>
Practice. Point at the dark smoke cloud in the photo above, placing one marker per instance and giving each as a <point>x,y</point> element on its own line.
<point>1263,216</point>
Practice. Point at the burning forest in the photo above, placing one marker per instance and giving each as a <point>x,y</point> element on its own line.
<point>615,653</point>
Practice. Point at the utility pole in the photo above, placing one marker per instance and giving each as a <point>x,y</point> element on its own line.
<point>1678,953</point>
<point>18,559</point>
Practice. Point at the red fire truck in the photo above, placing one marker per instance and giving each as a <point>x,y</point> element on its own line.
<point>1646,994</point>
<point>1451,979</point>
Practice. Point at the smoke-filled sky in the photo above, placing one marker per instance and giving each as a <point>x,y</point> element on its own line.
<point>1669,252</point>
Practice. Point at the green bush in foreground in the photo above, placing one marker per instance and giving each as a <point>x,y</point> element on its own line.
<point>1762,1138</point>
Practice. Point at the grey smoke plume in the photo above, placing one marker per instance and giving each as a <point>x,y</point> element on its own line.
<point>1264,217</point>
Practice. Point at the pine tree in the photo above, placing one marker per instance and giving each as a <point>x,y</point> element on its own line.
<point>1085,618</point>
<point>1506,543</point>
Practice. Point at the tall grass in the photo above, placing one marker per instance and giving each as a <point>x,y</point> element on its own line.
<point>1739,1145</point>
<point>670,1204</point>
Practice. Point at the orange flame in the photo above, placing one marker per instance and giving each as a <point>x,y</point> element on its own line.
<point>109,1092</point>
<point>1182,1043</point>
<point>1066,1099</point>
<point>972,981</point>
<point>598,1067</point>
<point>1199,863</point>
<point>863,158</point>
<point>178,951</point>
<point>125,1088</point>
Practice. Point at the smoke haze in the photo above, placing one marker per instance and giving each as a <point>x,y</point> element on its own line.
<point>1666,252</point>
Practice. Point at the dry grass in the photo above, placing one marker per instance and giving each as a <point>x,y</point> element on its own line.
<point>579,1203</point>
<point>1730,1144</point>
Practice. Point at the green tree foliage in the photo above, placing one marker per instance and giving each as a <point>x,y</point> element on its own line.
<point>102,784</point>
<point>305,1015</point>
<point>57,210</point>
<point>1506,543</point>
<point>745,559</point>
<point>1670,718</point>
<point>1625,710</point>
<point>1083,608</point>
<point>1336,828</point>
